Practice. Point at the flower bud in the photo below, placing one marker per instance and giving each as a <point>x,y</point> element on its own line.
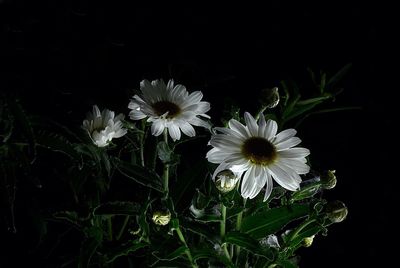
<point>328,179</point>
<point>307,242</point>
<point>226,181</point>
<point>336,211</point>
<point>269,97</point>
<point>161,217</point>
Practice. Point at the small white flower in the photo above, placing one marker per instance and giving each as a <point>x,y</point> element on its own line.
<point>171,107</point>
<point>260,153</point>
<point>103,127</point>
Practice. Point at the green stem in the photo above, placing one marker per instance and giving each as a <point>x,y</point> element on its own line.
<point>166,168</point>
<point>261,111</point>
<point>223,230</point>
<point>187,251</point>
<point>239,226</point>
<point>142,143</point>
<point>126,220</point>
<point>109,226</point>
<point>294,233</point>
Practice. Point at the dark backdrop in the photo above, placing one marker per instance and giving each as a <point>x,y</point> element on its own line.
<point>63,57</point>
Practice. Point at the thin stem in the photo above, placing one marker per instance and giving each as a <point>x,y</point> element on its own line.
<point>187,251</point>
<point>294,233</point>
<point>239,226</point>
<point>223,230</point>
<point>142,143</point>
<point>126,220</point>
<point>109,227</point>
<point>166,168</point>
<point>261,111</point>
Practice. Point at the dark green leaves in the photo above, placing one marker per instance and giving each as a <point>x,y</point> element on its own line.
<point>247,242</point>
<point>139,174</point>
<point>117,208</point>
<point>268,222</point>
<point>123,250</point>
<point>90,244</point>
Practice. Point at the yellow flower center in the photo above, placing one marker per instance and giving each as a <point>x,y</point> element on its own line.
<point>259,151</point>
<point>162,107</point>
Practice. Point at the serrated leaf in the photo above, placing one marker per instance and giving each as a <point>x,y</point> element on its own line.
<point>139,174</point>
<point>306,192</point>
<point>117,208</point>
<point>247,242</point>
<point>124,250</point>
<point>273,220</point>
<point>57,143</point>
<point>172,255</point>
<point>204,230</point>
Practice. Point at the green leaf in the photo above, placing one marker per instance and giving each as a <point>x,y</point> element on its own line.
<point>338,76</point>
<point>306,192</point>
<point>273,220</point>
<point>206,231</point>
<point>247,242</point>
<point>211,254</point>
<point>68,216</point>
<point>124,250</point>
<point>106,162</point>
<point>313,100</point>
<point>287,264</point>
<point>299,110</point>
<point>310,230</point>
<point>90,245</point>
<point>190,180</point>
<point>117,208</point>
<point>172,255</point>
<point>57,143</point>
<point>139,174</point>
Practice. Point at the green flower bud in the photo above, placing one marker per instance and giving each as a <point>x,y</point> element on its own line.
<point>226,181</point>
<point>336,211</point>
<point>269,97</point>
<point>328,179</point>
<point>307,242</point>
<point>161,217</point>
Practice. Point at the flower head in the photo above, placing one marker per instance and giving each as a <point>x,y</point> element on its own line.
<point>161,217</point>
<point>262,154</point>
<point>102,127</point>
<point>169,107</point>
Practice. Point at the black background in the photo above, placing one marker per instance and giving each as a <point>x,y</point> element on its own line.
<point>63,57</point>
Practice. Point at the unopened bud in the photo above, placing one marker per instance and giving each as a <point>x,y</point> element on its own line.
<point>269,97</point>
<point>226,181</point>
<point>161,217</point>
<point>336,211</point>
<point>328,179</point>
<point>307,242</point>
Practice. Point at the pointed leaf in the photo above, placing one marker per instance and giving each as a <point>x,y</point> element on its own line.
<point>262,224</point>
<point>124,250</point>
<point>57,143</point>
<point>139,174</point>
<point>247,242</point>
<point>338,76</point>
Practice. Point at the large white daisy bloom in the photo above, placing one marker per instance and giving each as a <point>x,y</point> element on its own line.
<point>103,127</point>
<point>260,153</point>
<point>170,107</point>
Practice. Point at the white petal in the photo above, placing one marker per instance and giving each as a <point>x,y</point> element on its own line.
<point>230,132</point>
<point>203,107</point>
<point>199,122</point>
<point>174,132</point>
<point>297,152</point>
<point>270,129</point>
<point>193,98</point>
<point>269,186</point>
<point>296,164</point>
<point>251,124</point>
<point>157,127</point>
<point>261,125</point>
<point>290,171</point>
<point>284,178</point>
<point>248,184</point>
<point>289,143</point>
<point>239,128</point>
<point>240,168</point>
<point>187,129</point>
<point>284,135</point>
<point>225,143</point>
<point>217,156</point>
<point>136,115</point>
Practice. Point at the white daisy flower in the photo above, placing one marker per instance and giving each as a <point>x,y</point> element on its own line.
<point>103,127</point>
<point>258,151</point>
<point>171,107</point>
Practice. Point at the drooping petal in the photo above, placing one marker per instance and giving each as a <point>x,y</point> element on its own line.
<point>289,143</point>
<point>284,178</point>
<point>157,128</point>
<point>174,132</point>
<point>268,187</point>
